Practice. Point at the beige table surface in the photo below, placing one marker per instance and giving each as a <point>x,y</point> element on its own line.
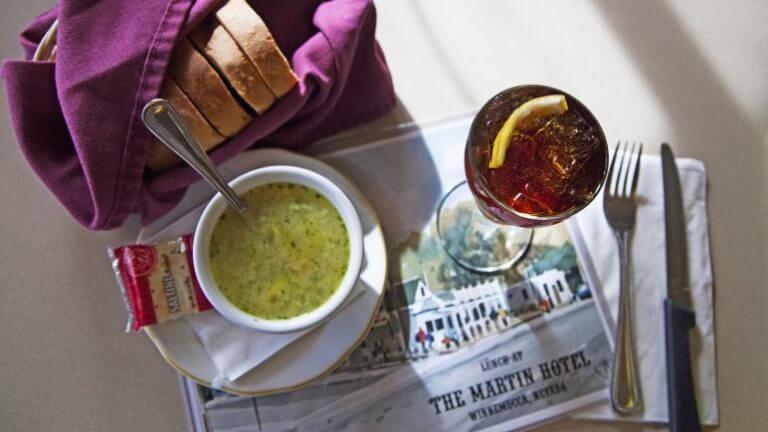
<point>694,73</point>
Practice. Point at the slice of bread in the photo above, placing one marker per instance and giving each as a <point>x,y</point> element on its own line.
<point>200,82</point>
<point>253,36</point>
<point>213,41</point>
<point>160,157</point>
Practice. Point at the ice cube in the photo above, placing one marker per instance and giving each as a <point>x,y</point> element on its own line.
<point>520,158</point>
<point>580,189</point>
<point>533,198</point>
<point>523,203</point>
<point>566,143</point>
<point>522,150</point>
<point>532,125</point>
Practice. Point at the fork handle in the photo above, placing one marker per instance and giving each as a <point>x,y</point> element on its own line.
<point>626,397</point>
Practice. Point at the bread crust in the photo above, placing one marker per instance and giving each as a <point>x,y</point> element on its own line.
<point>203,86</point>
<point>221,50</point>
<point>252,35</point>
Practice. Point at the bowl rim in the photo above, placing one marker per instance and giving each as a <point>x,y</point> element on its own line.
<point>278,174</point>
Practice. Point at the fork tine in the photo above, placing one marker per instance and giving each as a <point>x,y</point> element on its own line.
<point>630,153</point>
<point>621,172</point>
<point>610,171</point>
<point>636,174</point>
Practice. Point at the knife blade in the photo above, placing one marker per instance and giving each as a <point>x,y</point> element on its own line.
<point>674,229</point>
<point>679,317</point>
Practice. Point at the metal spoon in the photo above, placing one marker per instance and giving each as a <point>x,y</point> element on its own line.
<point>162,119</point>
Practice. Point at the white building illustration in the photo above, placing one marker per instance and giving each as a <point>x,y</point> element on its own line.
<point>552,287</point>
<point>445,320</point>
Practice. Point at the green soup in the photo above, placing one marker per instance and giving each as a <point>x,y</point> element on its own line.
<point>288,260</point>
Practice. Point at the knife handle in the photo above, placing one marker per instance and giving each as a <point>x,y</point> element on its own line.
<point>683,413</point>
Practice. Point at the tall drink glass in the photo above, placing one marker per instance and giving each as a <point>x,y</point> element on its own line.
<point>555,165</point>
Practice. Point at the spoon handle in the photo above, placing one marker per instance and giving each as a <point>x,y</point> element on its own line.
<point>162,119</point>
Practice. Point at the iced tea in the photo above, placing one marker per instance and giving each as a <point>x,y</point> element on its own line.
<point>554,165</point>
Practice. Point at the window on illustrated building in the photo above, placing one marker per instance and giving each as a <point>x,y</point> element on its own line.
<point>450,322</point>
<point>429,327</point>
<point>559,286</point>
<point>475,314</point>
<point>482,310</point>
<point>525,294</point>
<point>439,323</point>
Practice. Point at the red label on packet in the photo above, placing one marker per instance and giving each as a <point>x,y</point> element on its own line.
<point>158,281</point>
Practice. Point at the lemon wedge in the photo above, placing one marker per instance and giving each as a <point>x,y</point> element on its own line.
<point>530,110</point>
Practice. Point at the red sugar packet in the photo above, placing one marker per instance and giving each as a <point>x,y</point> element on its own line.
<point>157,281</point>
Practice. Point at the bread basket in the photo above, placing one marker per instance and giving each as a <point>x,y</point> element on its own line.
<point>86,76</point>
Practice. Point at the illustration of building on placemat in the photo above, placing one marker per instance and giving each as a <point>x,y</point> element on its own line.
<point>434,306</point>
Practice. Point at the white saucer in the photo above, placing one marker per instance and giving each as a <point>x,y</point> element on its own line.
<point>314,355</point>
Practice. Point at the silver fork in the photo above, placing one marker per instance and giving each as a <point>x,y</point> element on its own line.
<point>619,206</point>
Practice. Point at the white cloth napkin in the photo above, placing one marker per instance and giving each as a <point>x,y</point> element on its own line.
<point>237,350</point>
<point>649,287</point>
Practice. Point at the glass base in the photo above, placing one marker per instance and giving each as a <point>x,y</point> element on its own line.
<point>475,242</point>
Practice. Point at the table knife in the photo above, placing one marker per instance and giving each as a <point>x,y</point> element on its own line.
<point>679,317</point>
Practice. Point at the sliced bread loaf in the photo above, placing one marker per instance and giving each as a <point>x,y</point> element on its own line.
<point>200,82</point>
<point>213,41</point>
<point>253,36</point>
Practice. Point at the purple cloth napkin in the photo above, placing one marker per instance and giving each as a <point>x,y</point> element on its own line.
<point>78,121</point>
